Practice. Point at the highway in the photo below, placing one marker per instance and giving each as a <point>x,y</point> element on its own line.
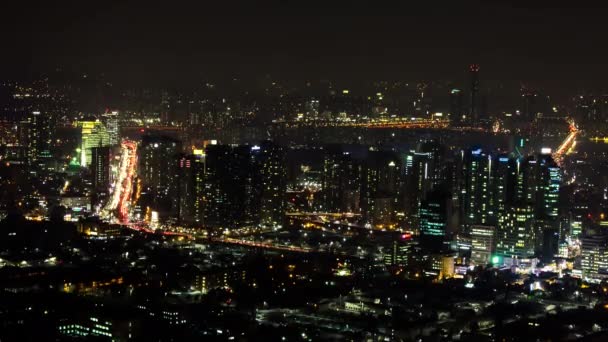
<point>567,145</point>
<point>264,245</point>
<point>120,200</point>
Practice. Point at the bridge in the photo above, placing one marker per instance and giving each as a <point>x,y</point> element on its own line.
<point>567,145</point>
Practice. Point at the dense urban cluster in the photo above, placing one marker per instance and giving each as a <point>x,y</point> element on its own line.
<point>264,211</point>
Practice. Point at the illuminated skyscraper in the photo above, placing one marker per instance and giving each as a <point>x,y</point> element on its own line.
<point>515,234</point>
<point>474,109</point>
<point>434,213</point>
<point>476,196</point>
<point>380,187</point>
<point>547,228</point>
<point>400,250</point>
<point>231,192</point>
<point>190,173</point>
<point>157,170</point>
<point>457,114</point>
<point>594,261</point>
<point>100,167</point>
<point>93,134</point>
<point>39,135</point>
<point>111,122</point>
<point>341,181</point>
<point>271,172</point>
<point>482,244</point>
<point>548,188</point>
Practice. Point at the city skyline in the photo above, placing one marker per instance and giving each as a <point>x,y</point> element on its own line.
<point>299,171</point>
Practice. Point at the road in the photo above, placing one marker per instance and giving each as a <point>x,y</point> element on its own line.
<point>264,245</point>
<point>567,145</point>
<point>120,201</point>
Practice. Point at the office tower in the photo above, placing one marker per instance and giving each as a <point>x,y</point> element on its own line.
<point>474,109</point>
<point>271,179</point>
<point>39,135</point>
<point>547,184</point>
<point>400,251</point>
<point>165,107</point>
<point>157,170</point>
<point>576,221</point>
<point>111,122</point>
<point>514,234</point>
<point>476,196</point>
<point>190,174</point>
<point>594,257</point>
<point>417,181</point>
<point>93,134</point>
<point>482,244</point>
<point>549,176</point>
<point>341,181</point>
<point>457,114</point>
<point>311,109</point>
<point>380,188</point>
<point>435,169</point>
<point>100,167</point>
<point>503,187</point>
<point>434,213</point>
<point>231,197</point>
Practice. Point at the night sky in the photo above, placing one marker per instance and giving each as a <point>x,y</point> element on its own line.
<point>558,49</point>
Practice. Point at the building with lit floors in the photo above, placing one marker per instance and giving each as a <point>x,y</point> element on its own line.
<point>400,250</point>
<point>417,183</point>
<point>243,185</point>
<point>341,181</point>
<point>39,135</point>
<point>474,98</point>
<point>100,167</point>
<point>191,173</point>
<point>380,188</point>
<point>514,236</point>
<point>271,173</point>
<point>457,114</point>
<point>96,328</point>
<point>434,213</point>
<point>93,134</point>
<point>476,192</point>
<point>594,257</point>
<point>110,120</point>
<point>482,244</point>
<point>157,171</point>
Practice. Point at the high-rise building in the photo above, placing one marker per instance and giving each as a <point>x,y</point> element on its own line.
<point>548,188</point>
<point>191,172</point>
<point>271,174</point>
<point>112,126</point>
<point>418,181</point>
<point>515,233</point>
<point>341,181</point>
<point>482,244</point>
<point>100,167</point>
<point>157,170</point>
<point>39,137</point>
<point>93,134</point>
<point>434,213</point>
<point>474,109</point>
<point>529,109</point>
<point>400,250</point>
<point>435,169</point>
<point>380,188</point>
<point>594,260</point>
<point>231,197</point>
<point>457,114</point>
<point>476,196</point>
